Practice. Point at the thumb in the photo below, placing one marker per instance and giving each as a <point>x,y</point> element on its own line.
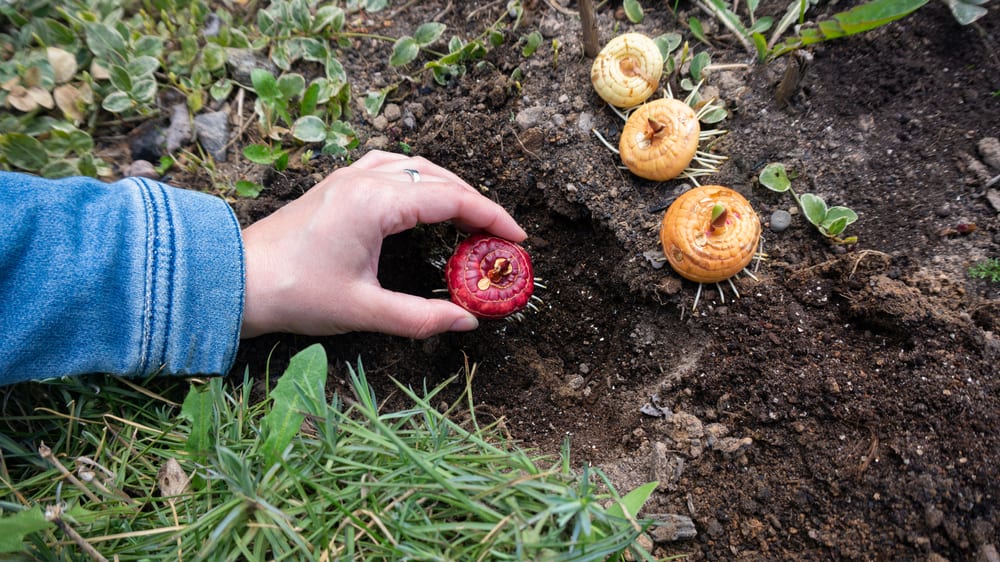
<point>410,316</point>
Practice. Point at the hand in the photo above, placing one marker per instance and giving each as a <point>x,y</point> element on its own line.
<point>311,267</point>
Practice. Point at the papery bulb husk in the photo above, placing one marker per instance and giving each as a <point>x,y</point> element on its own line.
<point>663,155</point>
<point>699,252</point>
<point>474,285</point>
<point>634,82</point>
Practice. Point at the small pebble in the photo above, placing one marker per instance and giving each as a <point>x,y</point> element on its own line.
<point>780,220</point>
<point>142,169</point>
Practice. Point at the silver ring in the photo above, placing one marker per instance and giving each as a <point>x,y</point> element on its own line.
<point>414,175</point>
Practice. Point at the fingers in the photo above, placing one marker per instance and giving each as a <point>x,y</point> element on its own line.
<point>413,317</point>
<point>379,161</point>
<point>434,202</point>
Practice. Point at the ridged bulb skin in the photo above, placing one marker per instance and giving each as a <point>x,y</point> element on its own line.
<point>490,277</point>
<point>703,252</point>
<point>660,139</point>
<point>627,70</point>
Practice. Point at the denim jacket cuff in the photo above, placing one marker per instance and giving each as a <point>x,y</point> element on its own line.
<point>194,282</point>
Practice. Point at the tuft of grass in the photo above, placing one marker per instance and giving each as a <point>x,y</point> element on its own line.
<point>121,472</point>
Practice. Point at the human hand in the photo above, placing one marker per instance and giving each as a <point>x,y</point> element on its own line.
<point>311,267</point>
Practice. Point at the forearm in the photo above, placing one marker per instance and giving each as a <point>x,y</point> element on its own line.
<point>132,278</point>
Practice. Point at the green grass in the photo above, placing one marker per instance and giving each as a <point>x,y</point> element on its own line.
<point>296,476</point>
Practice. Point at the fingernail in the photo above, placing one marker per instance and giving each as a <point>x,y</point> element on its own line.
<point>464,324</point>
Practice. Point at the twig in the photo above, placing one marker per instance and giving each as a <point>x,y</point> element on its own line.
<point>442,13</point>
<point>588,27</point>
<point>46,453</point>
<point>712,11</point>
<point>482,8</point>
<point>400,9</point>
<point>560,9</point>
<point>53,513</point>
<point>524,148</point>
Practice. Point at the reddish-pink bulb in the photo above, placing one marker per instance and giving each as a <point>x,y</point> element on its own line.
<point>489,276</point>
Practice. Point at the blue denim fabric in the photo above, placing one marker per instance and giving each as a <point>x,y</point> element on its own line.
<point>131,278</point>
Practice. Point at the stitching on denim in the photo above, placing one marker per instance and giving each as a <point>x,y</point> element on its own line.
<point>149,281</point>
<point>235,343</point>
<point>171,244</point>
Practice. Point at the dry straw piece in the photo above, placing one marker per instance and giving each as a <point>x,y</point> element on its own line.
<point>660,139</point>
<point>709,249</point>
<point>627,70</point>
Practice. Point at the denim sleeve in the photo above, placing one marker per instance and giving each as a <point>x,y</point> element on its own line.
<point>131,278</point>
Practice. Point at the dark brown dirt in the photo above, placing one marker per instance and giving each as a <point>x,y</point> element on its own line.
<point>847,407</point>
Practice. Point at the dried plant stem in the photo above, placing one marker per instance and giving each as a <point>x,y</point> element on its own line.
<point>588,26</point>
<point>46,453</point>
<point>53,513</point>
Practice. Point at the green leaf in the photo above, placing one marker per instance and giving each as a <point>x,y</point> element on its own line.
<point>310,99</point>
<point>731,20</point>
<point>633,11</point>
<point>117,102</point>
<point>760,43</point>
<point>966,11</point>
<point>144,91</point>
<point>142,67</point>
<point>697,30</point>
<point>340,138</point>
<point>428,33</point>
<point>331,17</point>
<point>404,51</point>
<point>313,50</point>
<point>531,43</point>
<point>713,116</point>
<point>875,14</point>
<point>281,161</point>
<point>213,56</point>
<point>496,38</point>
<point>265,85</point>
<point>309,128</point>
<point>833,227</point>
<point>260,154</point>
<point>837,212</point>
<point>775,178</point>
<point>120,78</point>
<point>221,89</point>
<point>304,378</point>
<point>105,42</point>
<point>752,6</point>
<point>814,208</point>
<point>23,151</point>
<point>698,65</point>
<point>761,25</point>
<point>199,409</point>
<point>148,46</point>
<point>17,526</point>
<point>633,501</point>
<point>667,43</point>
<point>291,85</point>
<point>248,189</point>
<point>374,101</point>
<point>60,169</point>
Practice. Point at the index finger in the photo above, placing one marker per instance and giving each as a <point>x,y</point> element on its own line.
<point>440,201</point>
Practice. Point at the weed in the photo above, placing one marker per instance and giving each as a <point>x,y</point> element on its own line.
<point>633,11</point>
<point>830,221</point>
<point>859,19</point>
<point>986,269</point>
<point>296,476</point>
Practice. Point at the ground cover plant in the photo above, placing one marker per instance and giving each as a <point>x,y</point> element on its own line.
<point>223,476</point>
<point>844,407</point>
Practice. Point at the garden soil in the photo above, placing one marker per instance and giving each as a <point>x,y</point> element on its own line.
<point>845,407</point>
